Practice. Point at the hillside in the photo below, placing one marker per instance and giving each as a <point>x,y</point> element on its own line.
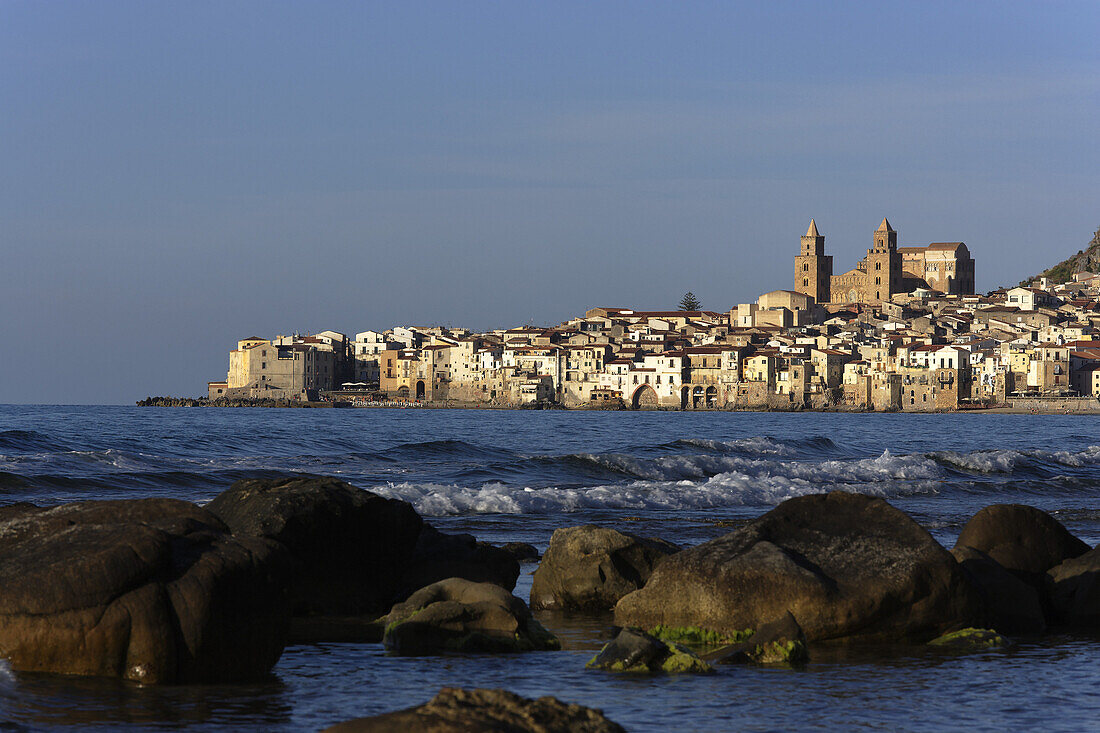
<point>1086,260</point>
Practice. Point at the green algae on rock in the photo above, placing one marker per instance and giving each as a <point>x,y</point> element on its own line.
<point>697,636</point>
<point>972,639</point>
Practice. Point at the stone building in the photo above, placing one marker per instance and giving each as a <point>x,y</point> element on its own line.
<point>886,270</point>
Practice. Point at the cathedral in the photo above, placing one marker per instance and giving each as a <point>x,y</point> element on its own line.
<point>885,271</point>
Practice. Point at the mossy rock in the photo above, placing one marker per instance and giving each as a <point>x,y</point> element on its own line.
<point>697,636</point>
<point>637,652</point>
<point>972,639</point>
<point>788,651</point>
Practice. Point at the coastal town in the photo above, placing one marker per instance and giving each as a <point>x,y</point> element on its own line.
<point>903,330</point>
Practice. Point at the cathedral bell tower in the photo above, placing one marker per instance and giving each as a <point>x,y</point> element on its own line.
<point>884,264</point>
<point>813,269</point>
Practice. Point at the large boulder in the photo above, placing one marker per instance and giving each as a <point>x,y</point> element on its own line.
<point>152,590</point>
<point>1023,539</point>
<point>1012,605</point>
<point>844,565</point>
<point>590,568</point>
<point>485,711</point>
<point>457,615</point>
<point>350,547</point>
<point>1074,591</point>
<point>438,556</point>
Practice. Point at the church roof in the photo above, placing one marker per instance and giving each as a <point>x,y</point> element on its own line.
<point>812,231</point>
<point>884,226</point>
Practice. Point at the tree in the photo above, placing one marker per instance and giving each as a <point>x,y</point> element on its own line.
<point>689,302</point>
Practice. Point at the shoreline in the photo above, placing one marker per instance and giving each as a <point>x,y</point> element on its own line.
<point>395,405</point>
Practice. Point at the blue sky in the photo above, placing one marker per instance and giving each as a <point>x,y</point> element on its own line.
<point>175,176</point>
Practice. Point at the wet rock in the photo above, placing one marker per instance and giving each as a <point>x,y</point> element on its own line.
<point>591,568</point>
<point>438,556</point>
<point>485,711</point>
<point>1023,539</point>
<point>1012,605</point>
<point>778,642</point>
<point>350,547</point>
<point>1074,591</point>
<point>635,651</point>
<point>458,615</point>
<point>844,565</point>
<point>972,639</point>
<point>152,590</point>
<point>521,551</point>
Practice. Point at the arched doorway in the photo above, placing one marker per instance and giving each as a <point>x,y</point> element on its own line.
<point>685,397</point>
<point>712,397</point>
<point>420,389</point>
<point>697,397</point>
<point>402,392</point>
<point>644,398</point>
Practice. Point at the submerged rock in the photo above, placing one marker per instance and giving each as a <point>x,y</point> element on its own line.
<point>148,590</point>
<point>972,639</point>
<point>456,615</point>
<point>485,711</point>
<point>1023,539</point>
<point>350,547</point>
<point>521,551</point>
<point>635,651</point>
<point>591,568</point>
<point>844,565</point>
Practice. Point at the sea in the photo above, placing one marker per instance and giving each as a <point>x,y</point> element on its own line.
<point>517,476</point>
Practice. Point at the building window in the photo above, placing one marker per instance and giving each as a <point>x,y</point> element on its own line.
<point>263,365</point>
<point>805,282</point>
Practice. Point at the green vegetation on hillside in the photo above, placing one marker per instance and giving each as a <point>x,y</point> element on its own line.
<point>1086,260</point>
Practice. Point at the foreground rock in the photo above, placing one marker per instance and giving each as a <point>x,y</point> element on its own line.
<point>638,652</point>
<point>456,615</point>
<point>350,547</point>
<point>590,568</point>
<point>438,556</point>
<point>844,565</point>
<point>1012,605</point>
<point>152,590</point>
<point>474,711</point>
<point>1023,539</point>
<point>1074,591</point>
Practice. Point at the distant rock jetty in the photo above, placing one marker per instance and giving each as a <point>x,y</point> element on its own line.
<point>228,402</point>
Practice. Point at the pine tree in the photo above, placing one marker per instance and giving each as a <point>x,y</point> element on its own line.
<point>689,302</point>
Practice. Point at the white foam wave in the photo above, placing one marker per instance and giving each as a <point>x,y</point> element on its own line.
<point>761,445</point>
<point>754,483</point>
<point>1008,460</point>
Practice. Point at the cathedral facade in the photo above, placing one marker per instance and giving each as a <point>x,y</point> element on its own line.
<point>885,271</point>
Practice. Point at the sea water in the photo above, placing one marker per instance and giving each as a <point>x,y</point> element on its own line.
<point>518,475</point>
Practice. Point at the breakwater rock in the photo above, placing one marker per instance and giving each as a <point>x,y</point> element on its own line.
<point>151,590</point>
<point>844,565</point>
<point>591,567</point>
<point>477,711</point>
